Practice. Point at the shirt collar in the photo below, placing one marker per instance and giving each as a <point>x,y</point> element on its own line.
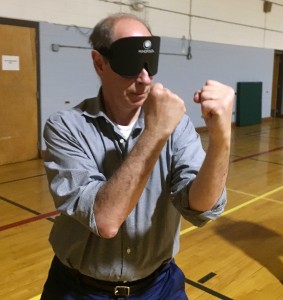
<point>94,108</point>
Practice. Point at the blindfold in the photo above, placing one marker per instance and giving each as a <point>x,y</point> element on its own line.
<point>128,56</point>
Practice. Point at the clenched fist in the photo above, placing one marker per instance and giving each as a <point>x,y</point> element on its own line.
<point>216,100</point>
<point>163,110</point>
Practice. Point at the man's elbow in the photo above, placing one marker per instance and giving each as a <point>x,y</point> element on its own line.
<point>107,231</point>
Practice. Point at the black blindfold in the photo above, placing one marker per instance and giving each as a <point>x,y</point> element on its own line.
<point>128,56</point>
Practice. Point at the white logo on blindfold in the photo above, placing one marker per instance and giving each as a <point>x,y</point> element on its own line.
<point>146,46</point>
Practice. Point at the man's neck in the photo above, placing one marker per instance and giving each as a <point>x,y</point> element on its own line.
<point>122,117</point>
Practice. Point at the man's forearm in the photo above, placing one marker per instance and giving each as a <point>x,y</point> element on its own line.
<point>211,179</point>
<point>216,102</point>
<point>118,197</point>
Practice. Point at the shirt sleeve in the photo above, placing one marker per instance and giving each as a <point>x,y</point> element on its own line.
<point>188,156</point>
<point>74,178</point>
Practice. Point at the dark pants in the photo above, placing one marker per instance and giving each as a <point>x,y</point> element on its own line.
<point>169,284</point>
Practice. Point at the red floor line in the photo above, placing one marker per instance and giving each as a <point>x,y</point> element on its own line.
<point>29,220</point>
<point>256,154</point>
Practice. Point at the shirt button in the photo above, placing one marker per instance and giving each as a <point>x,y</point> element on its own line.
<point>122,141</point>
<point>128,250</point>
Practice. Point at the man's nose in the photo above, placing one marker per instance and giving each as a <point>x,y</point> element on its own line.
<point>144,77</point>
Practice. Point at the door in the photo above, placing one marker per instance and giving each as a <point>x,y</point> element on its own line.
<point>18,94</point>
<point>279,106</point>
<point>277,88</point>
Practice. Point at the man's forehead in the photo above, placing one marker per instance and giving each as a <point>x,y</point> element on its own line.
<point>127,27</point>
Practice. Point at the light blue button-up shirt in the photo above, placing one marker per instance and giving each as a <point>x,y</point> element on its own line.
<point>84,148</point>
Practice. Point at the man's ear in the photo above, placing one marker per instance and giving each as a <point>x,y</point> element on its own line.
<point>98,62</point>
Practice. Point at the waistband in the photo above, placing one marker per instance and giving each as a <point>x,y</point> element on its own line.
<point>118,288</point>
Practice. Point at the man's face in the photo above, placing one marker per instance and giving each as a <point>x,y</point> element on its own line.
<point>120,91</point>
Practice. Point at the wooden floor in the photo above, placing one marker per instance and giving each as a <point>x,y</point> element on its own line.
<point>239,256</point>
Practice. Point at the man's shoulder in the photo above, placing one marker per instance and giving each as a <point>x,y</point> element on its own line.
<point>78,110</point>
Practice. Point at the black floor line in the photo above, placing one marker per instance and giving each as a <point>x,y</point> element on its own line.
<point>23,178</point>
<point>206,277</point>
<point>20,206</point>
<point>207,290</point>
<point>24,208</point>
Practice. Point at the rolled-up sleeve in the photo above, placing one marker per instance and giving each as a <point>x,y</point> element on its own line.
<point>197,218</point>
<point>186,161</point>
<point>74,178</point>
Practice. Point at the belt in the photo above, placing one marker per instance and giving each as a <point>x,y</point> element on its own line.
<point>120,288</point>
<point>117,288</point>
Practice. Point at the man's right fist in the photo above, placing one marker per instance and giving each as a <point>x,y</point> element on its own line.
<point>163,110</point>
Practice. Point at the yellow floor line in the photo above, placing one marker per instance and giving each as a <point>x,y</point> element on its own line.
<point>252,201</point>
<point>250,195</point>
<point>184,231</point>
<point>240,192</point>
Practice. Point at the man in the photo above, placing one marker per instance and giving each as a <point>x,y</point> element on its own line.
<point>123,167</point>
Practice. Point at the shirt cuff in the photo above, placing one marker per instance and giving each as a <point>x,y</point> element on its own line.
<point>200,218</point>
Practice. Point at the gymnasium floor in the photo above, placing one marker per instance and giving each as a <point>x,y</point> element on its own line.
<point>239,256</point>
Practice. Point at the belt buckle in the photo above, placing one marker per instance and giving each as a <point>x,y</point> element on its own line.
<point>121,290</point>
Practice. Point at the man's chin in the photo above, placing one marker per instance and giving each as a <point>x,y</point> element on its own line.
<point>138,99</point>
